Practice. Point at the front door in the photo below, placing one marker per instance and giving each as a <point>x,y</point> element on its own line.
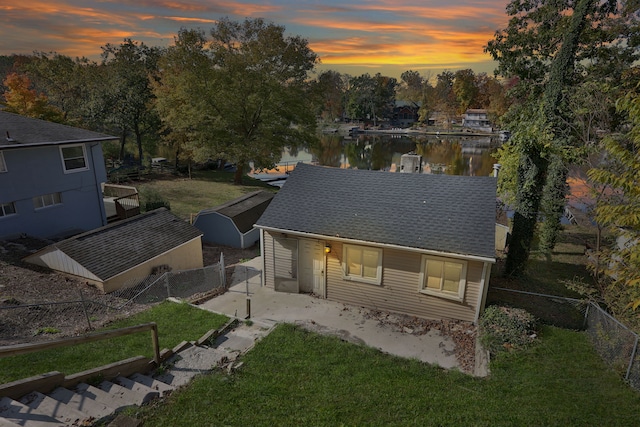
<point>311,259</point>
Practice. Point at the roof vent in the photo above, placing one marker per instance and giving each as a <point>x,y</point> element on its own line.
<point>9,139</point>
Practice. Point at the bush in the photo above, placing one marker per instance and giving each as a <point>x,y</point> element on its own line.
<point>506,329</point>
<point>151,199</point>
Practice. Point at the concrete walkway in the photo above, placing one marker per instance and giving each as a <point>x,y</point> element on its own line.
<point>353,324</point>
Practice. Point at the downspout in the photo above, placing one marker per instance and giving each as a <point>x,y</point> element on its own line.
<point>263,278</point>
<point>103,213</point>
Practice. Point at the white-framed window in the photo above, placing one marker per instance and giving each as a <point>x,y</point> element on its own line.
<point>74,158</point>
<point>3,165</point>
<point>47,200</point>
<point>362,263</point>
<point>7,209</point>
<point>443,277</point>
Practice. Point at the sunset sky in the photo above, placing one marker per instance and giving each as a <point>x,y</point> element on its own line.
<point>355,37</point>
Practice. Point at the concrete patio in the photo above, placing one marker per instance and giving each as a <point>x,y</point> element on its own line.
<point>350,323</point>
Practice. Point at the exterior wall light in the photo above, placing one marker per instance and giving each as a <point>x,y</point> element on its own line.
<point>327,248</point>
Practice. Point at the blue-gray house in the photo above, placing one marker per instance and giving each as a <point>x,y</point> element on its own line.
<point>50,178</point>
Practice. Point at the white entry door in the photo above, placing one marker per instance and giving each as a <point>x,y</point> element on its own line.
<point>311,261</point>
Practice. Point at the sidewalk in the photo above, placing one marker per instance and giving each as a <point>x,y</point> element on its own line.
<point>350,323</point>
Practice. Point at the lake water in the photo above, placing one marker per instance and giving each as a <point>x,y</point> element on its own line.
<point>471,156</point>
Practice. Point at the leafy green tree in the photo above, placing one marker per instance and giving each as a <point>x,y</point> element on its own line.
<point>243,95</point>
<point>465,89</point>
<point>549,46</point>
<point>411,87</point>
<point>370,98</point>
<point>128,95</point>
<point>63,80</point>
<point>444,97</point>
<point>329,90</point>
<point>619,211</point>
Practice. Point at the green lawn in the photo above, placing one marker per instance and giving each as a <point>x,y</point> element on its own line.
<point>205,189</point>
<point>176,323</point>
<point>295,378</point>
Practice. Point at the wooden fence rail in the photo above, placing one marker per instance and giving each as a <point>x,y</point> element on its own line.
<point>13,350</point>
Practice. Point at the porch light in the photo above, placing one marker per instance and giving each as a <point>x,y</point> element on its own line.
<point>327,248</point>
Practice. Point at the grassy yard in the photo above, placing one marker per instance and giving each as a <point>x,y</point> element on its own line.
<point>294,378</point>
<point>176,323</point>
<point>205,189</point>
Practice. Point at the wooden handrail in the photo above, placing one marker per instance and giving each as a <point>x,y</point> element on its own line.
<point>13,350</point>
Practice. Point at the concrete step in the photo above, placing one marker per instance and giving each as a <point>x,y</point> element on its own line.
<point>53,408</point>
<point>137,387</point>
<point>19,413</point>
<point>133,396</point>
<point>6,423</point>
<point>159,386</point>
<point>193,361</point>
<point>116,400</point>
<point>93,408</point>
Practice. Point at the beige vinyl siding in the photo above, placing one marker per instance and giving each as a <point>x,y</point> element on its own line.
<point>399,291</point>
<point>267,247</point>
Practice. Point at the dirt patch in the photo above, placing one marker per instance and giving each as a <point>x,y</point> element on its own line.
<point>31,297</point>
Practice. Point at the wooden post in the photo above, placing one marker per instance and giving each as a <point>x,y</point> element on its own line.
<point>156,344</point>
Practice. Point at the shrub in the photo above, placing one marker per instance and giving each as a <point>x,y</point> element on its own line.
<point>151,199</point>
<point>505,329</point>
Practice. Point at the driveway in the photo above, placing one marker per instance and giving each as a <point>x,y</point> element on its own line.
<point>354,324</point>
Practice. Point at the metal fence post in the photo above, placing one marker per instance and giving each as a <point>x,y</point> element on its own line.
<point>84,309</point>
<point>166,282</point>
<point>633,356</point>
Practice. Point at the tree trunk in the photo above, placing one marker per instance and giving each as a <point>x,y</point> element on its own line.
<point>138,142</point>
<point>553,204</point>
<point>531,172</point>
<point>237,176</point>
<point>531,177</point>
<point>123,140</point>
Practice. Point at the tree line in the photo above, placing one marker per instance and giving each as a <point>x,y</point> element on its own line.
<point>241,92</point>
<point>566,86</point>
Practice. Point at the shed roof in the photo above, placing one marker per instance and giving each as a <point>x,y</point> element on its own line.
<point>445,213</point>
<point>244,211</point>
<point>116,248</point>
<point>20,131</point>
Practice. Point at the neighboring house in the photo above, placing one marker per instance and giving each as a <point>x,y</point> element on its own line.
<point>477,119</point>
<point>231,224</point>
<point>410,243</point>
<point>122,254</point>
<point>405,113</point>
<point>50,178</point>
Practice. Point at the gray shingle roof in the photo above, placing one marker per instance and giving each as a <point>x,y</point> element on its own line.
<point>26,131</point>
<point>453,214</point>
<point>113,249</point>
<point>244,211</point>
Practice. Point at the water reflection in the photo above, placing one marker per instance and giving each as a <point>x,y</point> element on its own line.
<point>451,155</point>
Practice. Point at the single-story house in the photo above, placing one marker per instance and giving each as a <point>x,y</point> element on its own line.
<point>231,224</point>
<point>417,244</point>
<point>122,254</point>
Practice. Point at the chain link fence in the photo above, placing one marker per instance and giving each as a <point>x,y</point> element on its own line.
<point>22,323</point>
<point>185,284</point>
<point>616,344</point>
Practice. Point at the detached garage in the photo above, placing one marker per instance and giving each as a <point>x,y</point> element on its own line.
<point>120,255</point>
<point>231,224</point>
